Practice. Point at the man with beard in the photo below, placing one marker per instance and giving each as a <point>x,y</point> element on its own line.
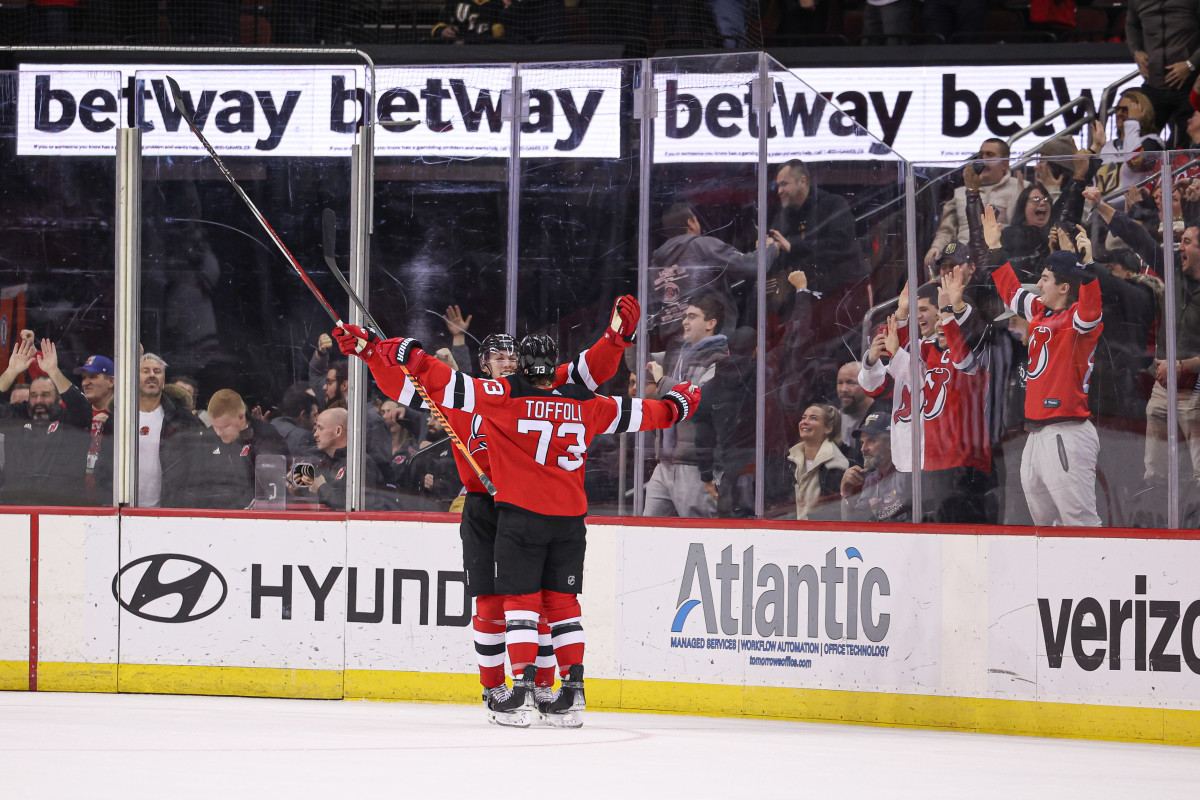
<point>855,405</point>
<point>46,437</point>
<point>168,442</point>
<point>876,491</point>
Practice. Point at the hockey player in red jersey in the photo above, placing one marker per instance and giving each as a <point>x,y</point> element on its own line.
<point>538,437</point>
<point>1058,466</point>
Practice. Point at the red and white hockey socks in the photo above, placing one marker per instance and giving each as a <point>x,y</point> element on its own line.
<point>566,629</point>
<point>521,613</point>
<point>545,657</point>
<point>488,623</point>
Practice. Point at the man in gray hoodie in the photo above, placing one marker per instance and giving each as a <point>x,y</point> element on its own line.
<point>690,262</point>
<point>675,489</point>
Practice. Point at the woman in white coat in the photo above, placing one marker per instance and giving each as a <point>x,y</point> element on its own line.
<point>818,464</point>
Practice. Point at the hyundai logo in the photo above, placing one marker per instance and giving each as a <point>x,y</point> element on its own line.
<point>171,588</point>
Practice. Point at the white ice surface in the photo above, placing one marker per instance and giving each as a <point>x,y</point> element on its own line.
<point>172,748</point>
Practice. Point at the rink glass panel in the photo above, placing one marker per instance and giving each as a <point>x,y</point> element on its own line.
<point>705,168</point>
<point>219,303</point>
<point>577,230</point>
<point>845,224</point>
<point>440,239</point>
<point>57,250</point>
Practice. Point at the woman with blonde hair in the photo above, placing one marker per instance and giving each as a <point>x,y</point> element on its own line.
<point>818,464</point>
<point>1125,159</point>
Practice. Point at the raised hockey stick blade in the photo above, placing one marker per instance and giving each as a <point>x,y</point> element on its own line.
<point>328,245</point>
<point>181,108</point>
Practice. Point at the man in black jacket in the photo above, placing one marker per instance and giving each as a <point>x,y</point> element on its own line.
<point>1164,37</point>
<point>330,485</point>
<point>238,444</point>
<point>330,433</point>
<point>46,437</point>
<point>815,232</point>
<point>294,422</point>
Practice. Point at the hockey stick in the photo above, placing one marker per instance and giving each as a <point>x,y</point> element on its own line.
<point>328,245</point>
<point>177,98</point>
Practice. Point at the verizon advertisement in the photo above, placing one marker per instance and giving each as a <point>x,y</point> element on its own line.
<point>850,113</point>
<point>811,610</point>
<point>1101,621</point>
<point>433,111</point>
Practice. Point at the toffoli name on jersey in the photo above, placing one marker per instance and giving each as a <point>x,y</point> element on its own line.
<point>554,409</point>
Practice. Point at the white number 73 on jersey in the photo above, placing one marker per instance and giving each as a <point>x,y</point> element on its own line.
<point>545,431</point>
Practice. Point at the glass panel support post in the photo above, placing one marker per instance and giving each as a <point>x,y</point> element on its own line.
<point>128,268</point>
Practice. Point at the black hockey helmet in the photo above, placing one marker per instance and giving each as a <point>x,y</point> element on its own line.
<point>538,356</point>
<point>496,343</point>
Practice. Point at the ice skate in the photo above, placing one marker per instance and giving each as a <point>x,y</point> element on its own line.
<point>512,708</point>
<point>561,709</point>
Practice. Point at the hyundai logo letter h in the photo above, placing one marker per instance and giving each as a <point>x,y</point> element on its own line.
<point>199,588</point>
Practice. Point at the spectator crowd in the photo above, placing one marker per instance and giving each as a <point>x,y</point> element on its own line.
<point>1034,352</point>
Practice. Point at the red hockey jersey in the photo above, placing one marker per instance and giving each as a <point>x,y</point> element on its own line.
<point>952,403</point>
<point>591,368</point>
<point>1061,347</point>
<point>538,438</point>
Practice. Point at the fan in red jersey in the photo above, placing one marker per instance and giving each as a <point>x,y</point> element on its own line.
<point>956,450</point>
<point>1058,466</point>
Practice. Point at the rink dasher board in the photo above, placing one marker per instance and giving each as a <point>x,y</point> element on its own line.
<point>1009,630</point>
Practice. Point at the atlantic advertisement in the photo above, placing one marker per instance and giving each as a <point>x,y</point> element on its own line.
<point>774,608</point>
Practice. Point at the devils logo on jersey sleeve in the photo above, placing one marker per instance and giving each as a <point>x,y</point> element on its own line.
<point>903,412</point>
<point>477,441</point>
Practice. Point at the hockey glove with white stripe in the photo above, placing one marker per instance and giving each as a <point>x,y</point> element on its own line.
<point>686,399</point>
<point>406,352</point>
<point>622,328</point>
<point>354,340</point>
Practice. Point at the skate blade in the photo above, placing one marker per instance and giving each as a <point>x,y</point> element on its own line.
<point>566,719</point>
<point>521,718</point>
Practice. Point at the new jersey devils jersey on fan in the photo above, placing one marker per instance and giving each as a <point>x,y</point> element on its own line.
<point>538,438</point>
<point>1061,347</point>
<point>591,368</point>
<point>952,403</point>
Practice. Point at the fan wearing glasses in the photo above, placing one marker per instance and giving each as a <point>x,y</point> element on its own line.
<point>1026,240</point>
